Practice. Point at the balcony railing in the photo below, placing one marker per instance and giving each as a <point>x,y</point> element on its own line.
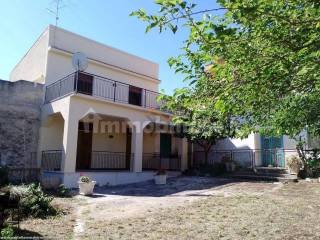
<point>104,88</point>
<point>51,160</point>
<point>154,161</point>
<point>104,160</point>
<point>110,160</point>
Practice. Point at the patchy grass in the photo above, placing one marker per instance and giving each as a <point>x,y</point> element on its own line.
<point>288,212</point>
<point>57,227</point>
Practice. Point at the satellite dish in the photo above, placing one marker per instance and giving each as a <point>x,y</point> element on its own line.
<point>79,61</point>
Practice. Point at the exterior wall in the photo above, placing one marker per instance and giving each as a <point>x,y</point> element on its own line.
<point>49,59</point>
<point>103,142</point>
<point>60,65</point>
<point>149,143</point>
<point>71,42</point>
<point>19,122</point>
<point>70,180</point>
<point>313,142</point>
<point>236,143</point>
<point>32,66</point>
<point>52,133</point>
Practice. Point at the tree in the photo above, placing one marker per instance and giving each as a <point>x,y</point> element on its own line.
<point>198,120</point>
<point>258,60</point>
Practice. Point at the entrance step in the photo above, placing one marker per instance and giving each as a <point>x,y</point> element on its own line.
<point>263,174</point>
<point>271,170</point>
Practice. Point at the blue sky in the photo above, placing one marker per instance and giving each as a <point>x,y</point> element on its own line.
<point>106,21</point>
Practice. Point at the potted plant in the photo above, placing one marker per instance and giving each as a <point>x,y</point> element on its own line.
<point>86,185</point>
<point>160,177</point>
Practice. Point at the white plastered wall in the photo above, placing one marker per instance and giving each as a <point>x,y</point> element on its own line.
<point>104,61</point>
<point>149,142</point>
<point>52,133</point>
<point>32,66</point>
<point>72,42</point>
<point>110,142</point>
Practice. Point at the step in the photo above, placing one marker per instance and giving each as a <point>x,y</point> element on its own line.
<point>262,174</point>
<point>290,178</point>
<point>271,170</point>
<point>265,174</point>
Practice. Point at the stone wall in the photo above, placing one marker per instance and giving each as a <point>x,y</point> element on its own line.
<point>20,104</point>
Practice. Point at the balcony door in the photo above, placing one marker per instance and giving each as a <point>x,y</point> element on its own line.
<point>85,83</point>
<point>135,95</point>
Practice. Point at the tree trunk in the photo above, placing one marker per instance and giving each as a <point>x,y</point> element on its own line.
<point>206,153</point>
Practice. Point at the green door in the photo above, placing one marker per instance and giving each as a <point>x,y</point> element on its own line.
<point>272,151</point>
<point>165,145</point>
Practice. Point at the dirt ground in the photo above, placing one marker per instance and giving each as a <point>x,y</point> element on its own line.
<point>188,207</point>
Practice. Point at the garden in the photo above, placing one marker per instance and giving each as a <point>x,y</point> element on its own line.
<point>186,207</point>
<point>23,201</point>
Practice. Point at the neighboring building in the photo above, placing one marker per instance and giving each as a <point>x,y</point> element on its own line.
<point>117,90</point>
<point>19,122</point>
<point>255,150</point>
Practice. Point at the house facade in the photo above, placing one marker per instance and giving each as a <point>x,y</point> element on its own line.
<point>104,122</point>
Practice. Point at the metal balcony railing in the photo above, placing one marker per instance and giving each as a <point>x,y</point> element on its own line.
<point>154,161</point>
<point>110,160</point>
<point>104,88</point>
<point>51,160</point>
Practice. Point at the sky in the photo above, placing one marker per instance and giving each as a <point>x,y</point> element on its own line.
<point>106,21</point>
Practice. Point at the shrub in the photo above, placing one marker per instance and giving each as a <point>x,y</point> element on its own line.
<point>62,191</point>
<point>34,202</point>
<point>310,159</point>
<point>294,163</point>
<point>7,233</point>
<point>85,179</point>
<point>4,179</point>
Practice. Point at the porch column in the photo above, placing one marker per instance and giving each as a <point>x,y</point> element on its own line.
<point>137,147</point>
<point>70,141</point>
<point>184,154</point>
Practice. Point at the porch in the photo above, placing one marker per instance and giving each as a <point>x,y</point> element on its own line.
<point>107,149</point>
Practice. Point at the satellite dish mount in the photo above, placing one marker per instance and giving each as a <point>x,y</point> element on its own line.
<point>79,61</point>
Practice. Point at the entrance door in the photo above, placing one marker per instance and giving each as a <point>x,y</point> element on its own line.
<point>272,151</point>
<point>84,148</point>
<point>165,145</point>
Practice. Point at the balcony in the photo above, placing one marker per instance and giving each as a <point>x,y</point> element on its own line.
<point>103,88</point>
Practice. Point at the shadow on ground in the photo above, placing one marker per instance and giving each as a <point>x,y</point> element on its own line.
<point>174,186</point>
<point>26,234</point>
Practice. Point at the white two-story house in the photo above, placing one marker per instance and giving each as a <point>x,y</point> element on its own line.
<point>105,121</point>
